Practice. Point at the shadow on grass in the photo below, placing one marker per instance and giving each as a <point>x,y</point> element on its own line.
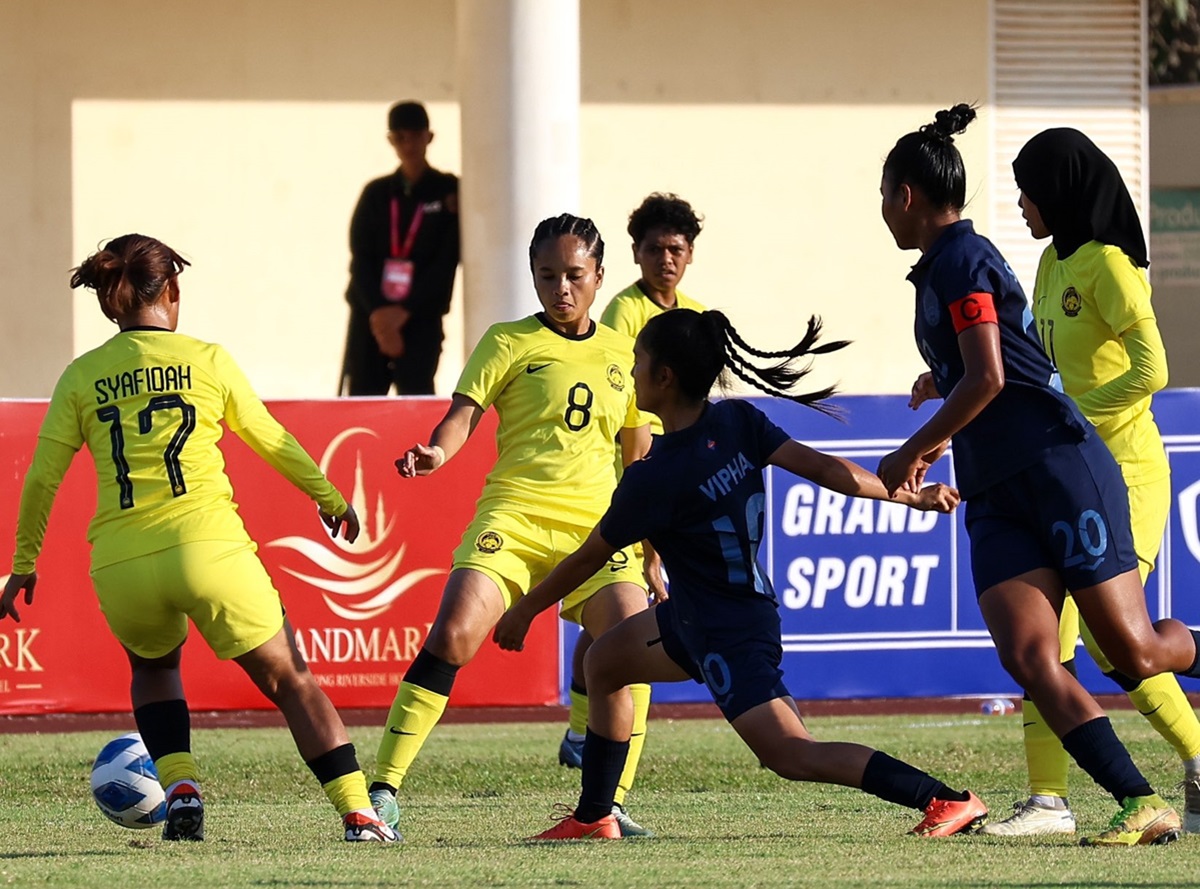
<point>11,856</point>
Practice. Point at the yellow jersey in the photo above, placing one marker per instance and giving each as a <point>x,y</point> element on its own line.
<point>561,402</point>
<point>629,310</point>
<point>1082,305</point>
<point>628,313</point>
<point>148,404</point>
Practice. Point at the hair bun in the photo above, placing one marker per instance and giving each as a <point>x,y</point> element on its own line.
<point>949,123</point>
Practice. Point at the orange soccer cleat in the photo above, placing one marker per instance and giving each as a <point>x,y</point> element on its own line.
<point>945,817</point>
<point>570,828</point>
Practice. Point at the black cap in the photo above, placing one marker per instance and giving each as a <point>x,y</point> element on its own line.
<point>408,116</point>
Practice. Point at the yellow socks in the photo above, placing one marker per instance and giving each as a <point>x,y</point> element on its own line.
<point>176,767</point>
<point>348,793</point>
<point>577,721</point>
<point>414,713</point>
<point>1044,754</point>
<point>641,705</point>
<point>1163,703</point>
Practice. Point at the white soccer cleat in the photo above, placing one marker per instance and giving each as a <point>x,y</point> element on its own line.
<point>1191,803</point>
<point>361,828</point>
<point>1029,820</point>
<point>629,827</point>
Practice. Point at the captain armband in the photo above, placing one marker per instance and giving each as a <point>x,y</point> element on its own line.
<point>972,309</point>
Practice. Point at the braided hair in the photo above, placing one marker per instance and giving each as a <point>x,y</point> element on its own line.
<point>701,348</point>
<point>928,159</point>
<point>566,224</point>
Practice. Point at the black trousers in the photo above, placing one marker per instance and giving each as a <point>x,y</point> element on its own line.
<point>366,371</point>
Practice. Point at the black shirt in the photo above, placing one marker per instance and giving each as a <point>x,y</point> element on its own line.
<point>435,250</point>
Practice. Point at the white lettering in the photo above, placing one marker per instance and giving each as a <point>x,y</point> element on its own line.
<point>922,565</point>
<point>890,589</point>
<point>22,660</point>
<point>797,512</point>
<point>860,582</point>
<point>799,593</point>
<point>810,509</point>
<point>339,645</point>
<point>863,582</point>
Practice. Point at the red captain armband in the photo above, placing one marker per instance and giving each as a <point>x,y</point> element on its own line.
<point>972,309</point>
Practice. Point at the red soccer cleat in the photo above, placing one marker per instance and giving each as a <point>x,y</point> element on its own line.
<point>570,828</point>
<point>945,817</point>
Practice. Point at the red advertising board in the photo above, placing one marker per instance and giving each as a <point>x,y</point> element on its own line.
<point>361,610</point>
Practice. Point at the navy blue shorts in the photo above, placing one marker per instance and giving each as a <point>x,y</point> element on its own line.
<point>739,666</point>
<point>1069,511</point>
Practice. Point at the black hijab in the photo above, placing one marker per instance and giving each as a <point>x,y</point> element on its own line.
<point>1080,193</point>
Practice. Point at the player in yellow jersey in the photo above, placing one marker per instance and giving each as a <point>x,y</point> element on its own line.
<point>562,388</point>
<point>663,229</point>
<point>167,542</point>
<point>1091,302</point>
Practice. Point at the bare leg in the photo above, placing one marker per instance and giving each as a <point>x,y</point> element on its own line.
<point>280,673</point>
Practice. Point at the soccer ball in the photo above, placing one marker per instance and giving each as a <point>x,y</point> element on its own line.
<point>125,784</point>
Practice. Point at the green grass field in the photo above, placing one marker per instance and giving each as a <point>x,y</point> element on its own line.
<point>478,789</point>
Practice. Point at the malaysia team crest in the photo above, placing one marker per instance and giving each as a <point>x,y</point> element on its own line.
<point>1072,302</point>
<point>616,377</point>
<point>489,542</point>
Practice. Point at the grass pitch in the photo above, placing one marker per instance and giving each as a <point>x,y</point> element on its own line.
<point>478,789</point>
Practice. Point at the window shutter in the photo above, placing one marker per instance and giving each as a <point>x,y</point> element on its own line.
<point>1075,63</point>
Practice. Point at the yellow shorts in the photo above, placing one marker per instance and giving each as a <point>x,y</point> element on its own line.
<point>221,585</point>
<point>517,552</point>
<point>1149,509</point>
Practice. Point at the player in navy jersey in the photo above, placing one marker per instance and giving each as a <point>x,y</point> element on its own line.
<point>698,498</point>
<point>1046,506</point>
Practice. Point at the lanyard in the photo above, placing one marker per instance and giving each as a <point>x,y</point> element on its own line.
<point>398,251</point>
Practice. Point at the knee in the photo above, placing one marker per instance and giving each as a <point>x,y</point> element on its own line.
<point>1030,665</point>
<point>1136,664</point>
<point>602,671</point>
<point>792,761</point>
<point>453,642</point>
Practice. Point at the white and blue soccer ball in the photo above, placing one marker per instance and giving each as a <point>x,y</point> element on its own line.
<point>125,784</point>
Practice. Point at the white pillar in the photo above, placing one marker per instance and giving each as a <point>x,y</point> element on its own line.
<point>518,83</point>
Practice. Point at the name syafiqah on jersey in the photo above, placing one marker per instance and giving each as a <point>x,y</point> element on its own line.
<point>156,378</point>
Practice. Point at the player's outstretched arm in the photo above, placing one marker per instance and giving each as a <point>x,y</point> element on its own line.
<point>447,439</point>
<point>847,477</point>
<point>567,575</point>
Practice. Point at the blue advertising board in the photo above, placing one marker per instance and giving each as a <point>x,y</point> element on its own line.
<point>876,599</point>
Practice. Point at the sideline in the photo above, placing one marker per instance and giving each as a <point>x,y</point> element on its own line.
<point>57,723</point>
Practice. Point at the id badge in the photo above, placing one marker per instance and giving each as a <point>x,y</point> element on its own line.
<point>397,279</point>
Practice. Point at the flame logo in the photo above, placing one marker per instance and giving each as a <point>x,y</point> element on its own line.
<point>366,588</point>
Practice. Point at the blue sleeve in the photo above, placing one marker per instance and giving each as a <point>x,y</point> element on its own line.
<point>959,273</point>
<point>637,510</point>
<point>764,436</point>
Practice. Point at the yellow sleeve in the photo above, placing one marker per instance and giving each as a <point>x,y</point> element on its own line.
<point>1146,375</point>
<point>619,319</point>
<point>249,418</point>
<point>51,458</point>
<point>1121,290</point>
<point>635,418</point>
<point>487,370</point>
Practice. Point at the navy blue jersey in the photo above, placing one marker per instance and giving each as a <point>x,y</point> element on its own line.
<point>962,279</point>
<point>698,498</point>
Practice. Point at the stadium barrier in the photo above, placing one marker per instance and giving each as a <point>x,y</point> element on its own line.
<point>876,600</point>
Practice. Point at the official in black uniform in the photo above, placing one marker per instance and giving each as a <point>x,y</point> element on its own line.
<point>404,248</point>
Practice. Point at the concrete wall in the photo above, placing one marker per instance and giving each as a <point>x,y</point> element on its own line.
<point>240,132</point>
<point>1174,141</point>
